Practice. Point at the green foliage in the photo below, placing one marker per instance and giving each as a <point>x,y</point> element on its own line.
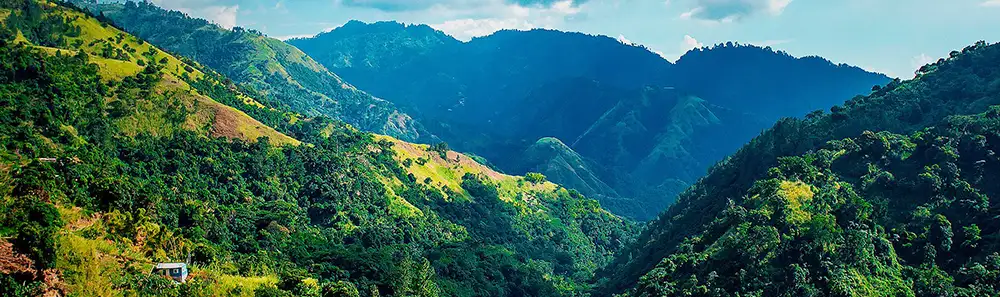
<point>37,26</point>
<point>534,177</point>
<point>322,219</point>
<point>280,72</point>
<point>895,213</point>
<point>640,128</point>
<point>441,148</point>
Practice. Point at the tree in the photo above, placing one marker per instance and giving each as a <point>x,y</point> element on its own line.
<point>534,177</point>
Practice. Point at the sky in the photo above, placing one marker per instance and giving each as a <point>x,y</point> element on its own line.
<point>894,37</point>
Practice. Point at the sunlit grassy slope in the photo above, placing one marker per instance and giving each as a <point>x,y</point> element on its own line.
<point>130,55</point>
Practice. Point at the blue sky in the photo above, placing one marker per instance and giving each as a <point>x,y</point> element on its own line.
<point>890,36</point>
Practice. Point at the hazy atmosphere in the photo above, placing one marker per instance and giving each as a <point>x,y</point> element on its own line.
<point>893,37</point>
<point>467,148</point>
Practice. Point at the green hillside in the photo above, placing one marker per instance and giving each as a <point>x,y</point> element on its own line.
<point>497,95</point>
<point>265,64</point>
<point>123,59</point>
<point>114,160</point>
<point>116,155</point>
<point>804,211</point>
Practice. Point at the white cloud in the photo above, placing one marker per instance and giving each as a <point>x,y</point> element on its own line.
<point>466,29</point>
<point>991,3</point>
<point>686,44</point>
<point>567,7</point>
<point>225,16</point>
<point>416,5</point>
<point>621,38</point>
<point>726,11</point>
<point>466,23</point>
<point>222,15</point>
<point>921,60</point>
<point>690,43</point>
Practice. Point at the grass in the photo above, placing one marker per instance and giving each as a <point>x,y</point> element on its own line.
<point>92,264</point>
<point>20,38</point>
<point>232,123</point>
<point>231,285</point>
<point>398,206</point>
<point>91,30</point>
<point>114,70</point>
<point>208,116</point>
<point>250,101</point>
<point>449,172</point>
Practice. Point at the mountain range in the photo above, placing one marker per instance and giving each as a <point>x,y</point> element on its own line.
<point>118,155</point>
<point>825,206</point>
<point>496,96</point>
<point>236,154</point>
<point>271,67</point>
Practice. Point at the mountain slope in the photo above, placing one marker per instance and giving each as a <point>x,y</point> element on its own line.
<point>555,159</point>
<point>265,64</point>
<point>863,191</point>
<point>767,83</point>
<point>109,167</point>
<point>127,60</point>
<point>381,45</point>
<point>495,96</point>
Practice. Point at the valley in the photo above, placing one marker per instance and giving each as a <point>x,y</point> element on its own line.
<point>626,111</point>
<point>391,159</point>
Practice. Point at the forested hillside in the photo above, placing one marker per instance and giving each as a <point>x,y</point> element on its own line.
<point>496,96</point>
<point>803,210</point>
<point>768,83</point>
<point>265,64</point>
<point>117,155</point>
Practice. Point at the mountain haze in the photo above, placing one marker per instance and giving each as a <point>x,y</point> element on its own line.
<point>830,206</point>
<point>118,155</point>
<point>497,95</point>
<point>266,64</point>
<point>255,166</point>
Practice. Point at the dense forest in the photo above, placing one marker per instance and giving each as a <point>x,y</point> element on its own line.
<point>109,167</point>
<point>117,154</point>
<point>831,208</point>
<point>499,95</point>
<point>265,64</point>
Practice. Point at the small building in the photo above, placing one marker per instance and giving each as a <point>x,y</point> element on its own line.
<point>176,271</point>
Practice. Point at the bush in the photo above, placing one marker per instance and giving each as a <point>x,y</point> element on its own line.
<point>534,177</point>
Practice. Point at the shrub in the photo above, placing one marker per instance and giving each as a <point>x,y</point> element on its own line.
<point>534,177</point>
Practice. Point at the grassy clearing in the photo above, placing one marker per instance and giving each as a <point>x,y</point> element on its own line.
<point>114,70</point>
<point>448,172</point>
<point>233,123</point>
<point>230,285</point>
<point>92,263</point>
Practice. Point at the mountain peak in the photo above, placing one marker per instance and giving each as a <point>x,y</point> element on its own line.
<point>357,27</point>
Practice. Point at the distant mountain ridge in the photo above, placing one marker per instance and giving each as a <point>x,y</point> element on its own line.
<point>116,155</point>
<point>728,73</point>
<point>890,194</point>
<point>497,95</point>
<point>404,42</point>
<point>266,64</point>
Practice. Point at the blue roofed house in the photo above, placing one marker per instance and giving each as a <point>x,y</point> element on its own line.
<point>176,271</point>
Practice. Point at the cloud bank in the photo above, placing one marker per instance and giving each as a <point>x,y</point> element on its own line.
<point>408,5</point>
<point>733,10</point>
<point>223,15</point>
